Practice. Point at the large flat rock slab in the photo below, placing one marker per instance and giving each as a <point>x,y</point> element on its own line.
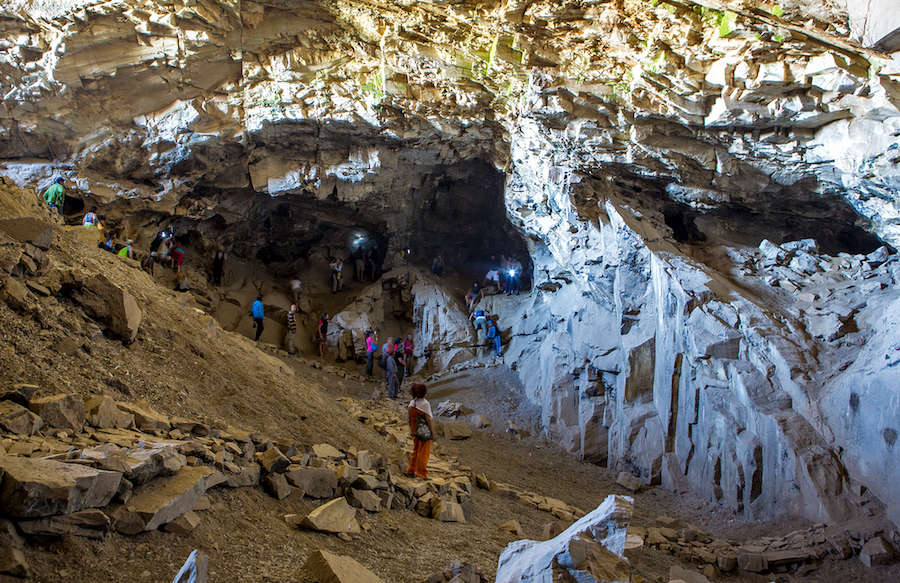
<point>29,230</point>
<point>335,517</point>
<point>32,488</point>
<point>165,499</point>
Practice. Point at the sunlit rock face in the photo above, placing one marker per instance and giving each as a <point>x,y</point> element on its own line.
<point>703,188</point>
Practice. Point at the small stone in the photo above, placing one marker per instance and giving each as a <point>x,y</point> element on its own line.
<point>514,527</point>
<point>184,524</point>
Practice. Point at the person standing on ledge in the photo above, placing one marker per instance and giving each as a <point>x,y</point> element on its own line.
<point>258,313</point>
<point>337,283</point>
<point>218,266</point>
<point>420,413</point>
<point>322,334</point>
<point>55,196</point>
<point>437,266</point>
<point>371,349</point>
<point>296,290</point>
<point>291,329</point>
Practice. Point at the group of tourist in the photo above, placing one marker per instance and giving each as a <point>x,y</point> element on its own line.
<point>507,274</point>
<point>488,324</point>
<point>366,267</point>
<point>396,359</point>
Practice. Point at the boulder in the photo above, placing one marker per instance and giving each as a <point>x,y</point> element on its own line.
<point>459,572</point>
<point>145,418</point>
<point>365,499</point>
<point>164,499</point>
<point>456,430</point>
<point>29,230</point>
<point>677,573</point>
<point>514,527</point>
<point>336,516</point>
<point>148,460</point>
<point>315,482</point>
<point>17,419</point>
<point>184,524</point>
<point>324,567</point>
<point>109,303</point>
<point>629,481</point>
<point>325,451</point>
<point>104,414</point>
<point>15,294</point>
<point>448,511</point>
<point>277,486</point>
<point>33,488</point>
<point>13,563</point>
<point>593,547</point>
<point>91,523</point>
<point>272,460</point>
<point>346,474</point>
<point>20,394</point>
<point>61,411</point>
<point>244,477</point>
<point>877,552</point>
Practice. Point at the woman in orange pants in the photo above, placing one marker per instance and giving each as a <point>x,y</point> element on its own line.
<point>419,412</point>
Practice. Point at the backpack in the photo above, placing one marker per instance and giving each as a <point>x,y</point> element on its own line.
<point>479,313</point>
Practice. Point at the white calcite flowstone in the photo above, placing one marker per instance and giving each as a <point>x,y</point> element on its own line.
<point>592,547</point>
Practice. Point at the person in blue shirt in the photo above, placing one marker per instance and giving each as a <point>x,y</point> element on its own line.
<point>259,316</point>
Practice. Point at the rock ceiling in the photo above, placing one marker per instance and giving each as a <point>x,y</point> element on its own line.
<point>635,144</point>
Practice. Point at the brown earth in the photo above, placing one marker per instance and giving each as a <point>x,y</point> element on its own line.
<point>183,364</point>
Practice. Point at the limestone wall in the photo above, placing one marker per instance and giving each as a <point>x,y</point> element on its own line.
<point>649,360</point>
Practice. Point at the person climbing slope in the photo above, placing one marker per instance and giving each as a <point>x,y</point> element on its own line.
<point>55,196</point>
<point>258,313</point>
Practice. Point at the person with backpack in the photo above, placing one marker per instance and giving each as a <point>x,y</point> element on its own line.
<point>479,319</point>
<point>257,312</point>
<point>421,429</point>
<point>322,334</point>
<point>493,333</point>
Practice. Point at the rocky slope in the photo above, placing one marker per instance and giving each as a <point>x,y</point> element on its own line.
<point>643,150</point>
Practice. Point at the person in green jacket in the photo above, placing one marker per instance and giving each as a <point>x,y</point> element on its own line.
<point>55,196</point>
<point>127,250</point>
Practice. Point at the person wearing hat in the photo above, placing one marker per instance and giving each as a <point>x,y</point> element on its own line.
<point>259,316</point>
<point>127,251</point>
<point>55,196</point>
<point>371,349</point>
<point>291,329</point>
